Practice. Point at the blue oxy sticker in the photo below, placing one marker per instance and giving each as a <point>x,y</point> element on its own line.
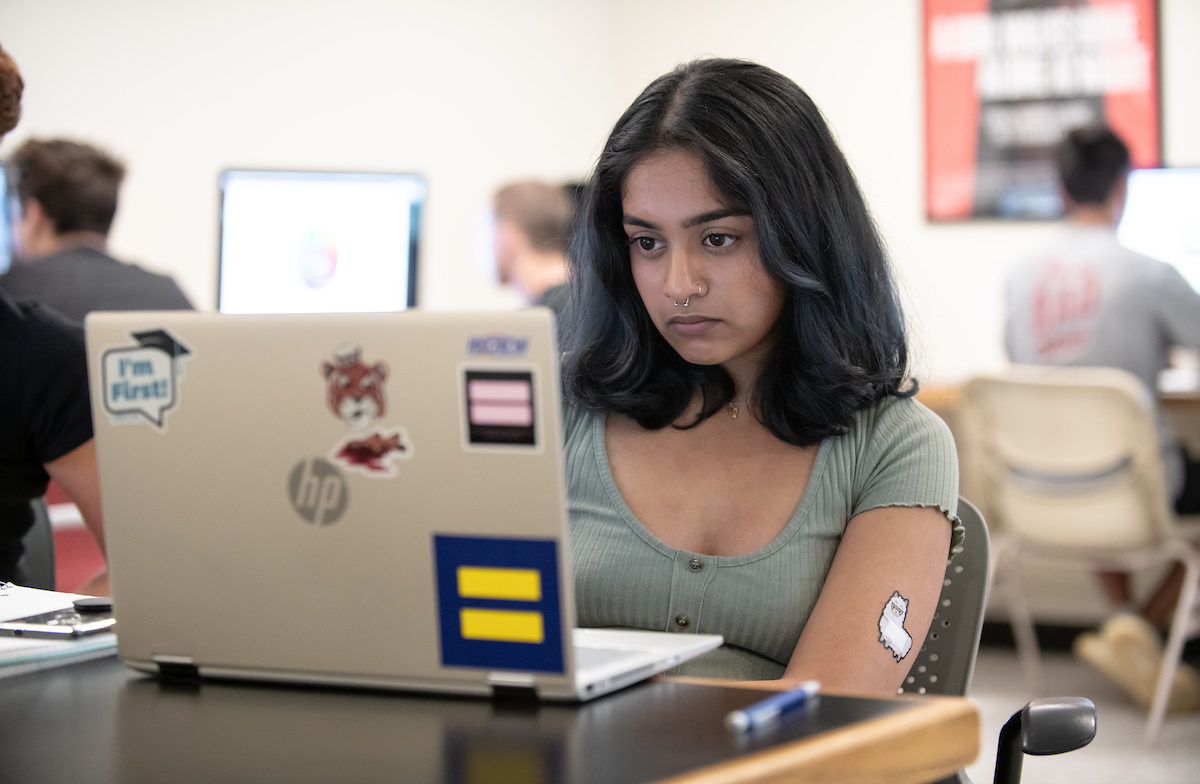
<point>497,346</point>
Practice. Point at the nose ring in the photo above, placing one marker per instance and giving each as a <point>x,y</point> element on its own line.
<point>699,293</point>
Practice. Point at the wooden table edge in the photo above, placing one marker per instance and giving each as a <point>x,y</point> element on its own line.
<point>944,733</point>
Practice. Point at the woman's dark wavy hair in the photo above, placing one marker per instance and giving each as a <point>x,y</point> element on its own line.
<point>839,345</point>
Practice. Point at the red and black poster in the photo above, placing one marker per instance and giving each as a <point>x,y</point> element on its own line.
<point>1005,80</point>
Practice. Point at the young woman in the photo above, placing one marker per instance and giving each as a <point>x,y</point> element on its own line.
<point>743,453</point>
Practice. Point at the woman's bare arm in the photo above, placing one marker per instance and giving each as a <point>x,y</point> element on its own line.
<point>76,473</point>
<point>887,551</point>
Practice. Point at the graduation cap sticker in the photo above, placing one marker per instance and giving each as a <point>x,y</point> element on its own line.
<point>143,380</point>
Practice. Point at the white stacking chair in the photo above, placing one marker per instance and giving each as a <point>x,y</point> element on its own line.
<point>1070,473</point>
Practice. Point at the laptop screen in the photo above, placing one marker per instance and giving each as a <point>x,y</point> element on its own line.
<point>318,242</point>
<point>1162,218</point>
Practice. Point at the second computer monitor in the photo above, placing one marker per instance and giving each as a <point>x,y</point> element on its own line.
<point>10,215</point>
<point>318,242</point>
<point>1162,218</point>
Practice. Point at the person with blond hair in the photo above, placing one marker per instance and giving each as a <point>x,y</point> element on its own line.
<point>533,224</point>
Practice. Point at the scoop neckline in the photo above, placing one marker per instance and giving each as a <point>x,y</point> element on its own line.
<point>789,530</point>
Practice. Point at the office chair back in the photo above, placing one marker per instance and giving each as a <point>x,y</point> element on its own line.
<point>945,662</point>
<point>36,566</point>
<point>1068,456</point>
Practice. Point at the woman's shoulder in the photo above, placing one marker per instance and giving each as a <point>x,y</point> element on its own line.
<point>900,446</point>
<point>900,418</point>
<point>578,424</point>
<point>903,455</point>
<point>575,416</point>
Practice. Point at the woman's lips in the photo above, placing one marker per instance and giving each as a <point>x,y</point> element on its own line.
<point>692,324</point>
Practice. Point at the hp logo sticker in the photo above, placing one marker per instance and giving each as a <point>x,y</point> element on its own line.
<point>318,491</point>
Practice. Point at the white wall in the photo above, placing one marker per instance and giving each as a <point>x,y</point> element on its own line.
<point>860,60</point>
<point>467,93</point>
<point>476,93</point>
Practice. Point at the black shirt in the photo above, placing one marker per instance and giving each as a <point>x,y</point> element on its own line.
<point>79,280</point>
<point>45,411</point>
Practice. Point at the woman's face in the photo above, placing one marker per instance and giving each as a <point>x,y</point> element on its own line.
<point>695,262</point>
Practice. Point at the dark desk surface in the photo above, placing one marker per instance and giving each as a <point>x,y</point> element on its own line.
<point>99,722</point>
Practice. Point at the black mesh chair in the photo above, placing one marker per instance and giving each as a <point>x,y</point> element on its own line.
<point>36,567</point>
<point>946,660</point>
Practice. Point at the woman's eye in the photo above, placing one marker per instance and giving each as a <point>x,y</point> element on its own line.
<point>645,243</point>
<point>719,240</point>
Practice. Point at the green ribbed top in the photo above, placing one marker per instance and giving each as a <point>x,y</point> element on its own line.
<point>897,453</point>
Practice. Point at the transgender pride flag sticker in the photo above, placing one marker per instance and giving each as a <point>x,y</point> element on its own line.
<point>500,408</point>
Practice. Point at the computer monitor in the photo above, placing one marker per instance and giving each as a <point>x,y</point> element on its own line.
<point>1162,218</point>
<point>10,213</point>
<point>318,242</point>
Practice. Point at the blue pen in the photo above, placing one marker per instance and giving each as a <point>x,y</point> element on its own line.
<point>769,710</point>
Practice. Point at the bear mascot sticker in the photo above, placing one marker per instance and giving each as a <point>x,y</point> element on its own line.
<point>355,394</point>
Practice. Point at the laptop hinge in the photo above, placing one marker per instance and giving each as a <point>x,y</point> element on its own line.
<point>512,687</point>
<point>177,667</point>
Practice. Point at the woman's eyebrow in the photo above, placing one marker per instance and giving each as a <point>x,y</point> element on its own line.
<point>696,220</point>
<point>724,212</point>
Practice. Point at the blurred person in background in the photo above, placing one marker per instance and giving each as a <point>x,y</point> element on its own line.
<point>68,194</point>
<point>1086,300</point>
<point>533,224</point>
<point>45,411</point>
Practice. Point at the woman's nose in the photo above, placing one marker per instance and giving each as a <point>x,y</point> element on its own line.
<point>683,277</point>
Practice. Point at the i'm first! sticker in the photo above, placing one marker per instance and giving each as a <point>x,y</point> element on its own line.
<point>142,381</point>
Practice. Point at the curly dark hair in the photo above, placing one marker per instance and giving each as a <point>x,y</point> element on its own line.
<point>839,344</point>
<point>11,87</point>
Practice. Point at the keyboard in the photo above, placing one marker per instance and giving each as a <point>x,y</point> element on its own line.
<point>587,658</point>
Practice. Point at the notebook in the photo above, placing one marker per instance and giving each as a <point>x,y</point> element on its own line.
<point>370,500</point>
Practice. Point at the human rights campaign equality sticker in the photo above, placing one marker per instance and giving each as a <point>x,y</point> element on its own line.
<point>498,605</point>
<point>143,380</point>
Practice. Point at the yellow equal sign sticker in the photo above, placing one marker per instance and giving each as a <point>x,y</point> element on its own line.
<point>480,582</point>
<point>501,625</point>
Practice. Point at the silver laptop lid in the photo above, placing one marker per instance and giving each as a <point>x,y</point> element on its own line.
<point>371,499</point>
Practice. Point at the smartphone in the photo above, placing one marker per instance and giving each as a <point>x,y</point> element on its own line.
<point>59,625</point>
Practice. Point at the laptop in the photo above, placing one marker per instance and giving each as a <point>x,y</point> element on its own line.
<point>372,500</point>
